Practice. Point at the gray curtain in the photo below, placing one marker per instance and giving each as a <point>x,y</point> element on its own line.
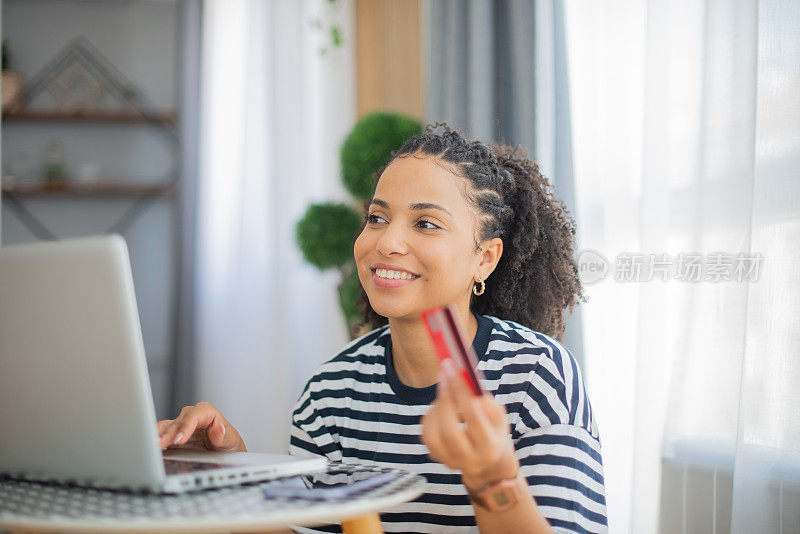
<point>481,68</point>
<point>497,70</point>
<point>183,375</point>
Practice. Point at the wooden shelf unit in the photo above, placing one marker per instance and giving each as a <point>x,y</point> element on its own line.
<point>167,118</point>
<point>88,190</point>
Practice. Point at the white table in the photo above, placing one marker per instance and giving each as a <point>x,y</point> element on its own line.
<point>37,507</point>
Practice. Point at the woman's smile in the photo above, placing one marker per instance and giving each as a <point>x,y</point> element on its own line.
<point>390,276</point>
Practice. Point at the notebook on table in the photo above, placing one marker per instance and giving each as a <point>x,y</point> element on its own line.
<point>75,398</point>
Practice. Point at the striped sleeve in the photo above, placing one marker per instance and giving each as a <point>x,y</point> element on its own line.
<point>558,445</point>
<point>312,432</point>
<point>562,466</point>
<point>308,433</point>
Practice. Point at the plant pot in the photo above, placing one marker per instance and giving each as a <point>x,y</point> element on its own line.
<point>12,88</point>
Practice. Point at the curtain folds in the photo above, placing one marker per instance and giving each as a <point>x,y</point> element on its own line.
<point>766,484</point>
<point>274,111</point>
<point>686,122</point>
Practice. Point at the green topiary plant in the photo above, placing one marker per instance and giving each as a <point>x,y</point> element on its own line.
<point>327,231</point>
<point>325,234</point>
<point>369,146</point>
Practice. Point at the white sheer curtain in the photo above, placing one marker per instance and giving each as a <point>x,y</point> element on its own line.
<point>686,125</point>
<point>275,109</point>
<point>766,485</point>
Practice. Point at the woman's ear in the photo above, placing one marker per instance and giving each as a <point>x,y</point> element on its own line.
<point>491,249</point>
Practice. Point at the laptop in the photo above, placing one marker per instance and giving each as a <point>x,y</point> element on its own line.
<point>75,399</point>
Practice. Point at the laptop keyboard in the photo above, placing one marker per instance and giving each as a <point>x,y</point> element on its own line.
<point>179,467</point>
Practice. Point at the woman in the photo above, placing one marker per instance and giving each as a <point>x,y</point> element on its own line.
<point>456,223</point>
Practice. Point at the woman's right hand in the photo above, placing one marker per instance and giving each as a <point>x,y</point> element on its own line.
<point>200,427</point>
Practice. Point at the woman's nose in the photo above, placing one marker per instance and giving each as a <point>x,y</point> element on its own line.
<point>392,241</point>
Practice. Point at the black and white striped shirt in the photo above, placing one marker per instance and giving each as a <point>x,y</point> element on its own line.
<point>355,409</point>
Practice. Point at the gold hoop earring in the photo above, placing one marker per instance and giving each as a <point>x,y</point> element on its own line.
<point>475,289</point>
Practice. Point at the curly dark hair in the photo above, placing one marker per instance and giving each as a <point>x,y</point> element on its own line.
<point>536,279</point>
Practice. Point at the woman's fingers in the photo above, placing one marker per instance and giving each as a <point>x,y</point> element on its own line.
<point>169,432</point>
<point>455,442</point>
<point>216,433</point>
<point>442,429</point>
<point>431,437</point>
<point>182,430</point>
<point>481,442</point>
<point>445,444</point>
<point>161,426</point>
<point>496,414</point>
<point>479,430</point>
<point>185,427</point>
<point>200,427</point>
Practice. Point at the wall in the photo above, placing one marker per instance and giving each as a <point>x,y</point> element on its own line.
<point>141,39</point>
<point>389,57</point>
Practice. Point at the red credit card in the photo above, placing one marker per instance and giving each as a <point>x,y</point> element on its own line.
<point>450,344</point>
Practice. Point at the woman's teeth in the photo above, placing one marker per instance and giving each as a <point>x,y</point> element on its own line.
<point>402,275</point>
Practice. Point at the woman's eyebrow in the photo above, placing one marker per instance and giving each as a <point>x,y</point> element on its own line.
<point>417,206</point>
<point>428,206</point>
<point>379,202</point>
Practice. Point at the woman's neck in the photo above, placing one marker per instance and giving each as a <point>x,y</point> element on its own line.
<point>414,358</point>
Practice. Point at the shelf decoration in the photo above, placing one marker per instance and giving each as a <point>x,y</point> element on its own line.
<point>84,85</point>
<point>12,81</point>
<point>55,162</point>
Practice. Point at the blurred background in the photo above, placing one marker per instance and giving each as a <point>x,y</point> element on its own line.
<point>220,137</point>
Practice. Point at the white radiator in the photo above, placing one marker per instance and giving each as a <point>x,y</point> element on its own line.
<point>697,492</point>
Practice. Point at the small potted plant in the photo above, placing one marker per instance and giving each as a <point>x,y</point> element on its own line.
<point>327,231</point>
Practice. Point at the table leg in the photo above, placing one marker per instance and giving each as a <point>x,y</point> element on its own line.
<point>365,524</point>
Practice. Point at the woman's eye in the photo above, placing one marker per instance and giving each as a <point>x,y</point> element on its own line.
<point>427,225</point>
<point>374,219</point>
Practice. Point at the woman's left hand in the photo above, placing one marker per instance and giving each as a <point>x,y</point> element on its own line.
<point>481,448</point>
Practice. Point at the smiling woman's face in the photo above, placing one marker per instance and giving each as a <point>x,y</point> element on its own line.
<point>417,249</point>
